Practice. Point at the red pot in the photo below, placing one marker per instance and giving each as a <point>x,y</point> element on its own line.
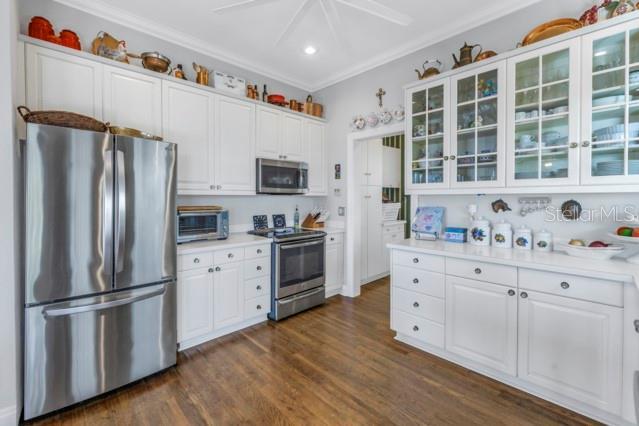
<point>53,39</point>
<point>40,28</point>
<point>70,39</point>
<point>276,99</point>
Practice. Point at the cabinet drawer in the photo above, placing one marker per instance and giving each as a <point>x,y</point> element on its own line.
<point>418,304</point>
<point>257,307</point>
<point>430,283</point>
<point>260,267</point>
<point>228,256</point>
<point>576,287</point>
<point>394,229</point>
<point>334,239</point>
<point>416,260</point>
<point>257,287</point>
<point>254,252</point>
<point>418,328</point>
<point>193,261</point>
<point>482,271</point>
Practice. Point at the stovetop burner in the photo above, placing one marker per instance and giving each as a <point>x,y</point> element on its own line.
<point>287,234</point>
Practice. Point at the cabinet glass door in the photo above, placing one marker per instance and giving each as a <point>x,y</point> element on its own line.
<point>542,136</point>
<point>477,147</point>
<point>611,106</point>
<point>428,136</point>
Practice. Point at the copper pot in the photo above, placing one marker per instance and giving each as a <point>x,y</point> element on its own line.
<point>294,105</point>
<point>485,55</point>
<point>202,76</point>
<point>311,108</point>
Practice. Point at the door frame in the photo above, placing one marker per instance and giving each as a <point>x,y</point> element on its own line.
<point>352,285</point>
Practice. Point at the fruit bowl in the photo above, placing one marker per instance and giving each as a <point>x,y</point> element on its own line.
<point>598,253</point>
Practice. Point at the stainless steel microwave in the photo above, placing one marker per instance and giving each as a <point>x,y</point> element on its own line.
<point>281,177</point>
<point>198,225</point>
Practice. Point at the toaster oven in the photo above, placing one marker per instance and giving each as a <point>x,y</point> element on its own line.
<point>198,225</point>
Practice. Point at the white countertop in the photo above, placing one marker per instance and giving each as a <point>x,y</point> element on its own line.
<point>614,269</point>
<point>236,239</point>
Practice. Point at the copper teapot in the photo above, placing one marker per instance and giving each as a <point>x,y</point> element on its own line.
<point>431,71</point>
<point>202,76</point>
<point>466,55</point>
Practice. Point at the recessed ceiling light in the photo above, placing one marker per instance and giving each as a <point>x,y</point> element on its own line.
<point>310,50</point>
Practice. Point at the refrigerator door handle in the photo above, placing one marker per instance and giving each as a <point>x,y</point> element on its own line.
<point>107,234</point>
<point>59,312</point>
<point>121,213</point>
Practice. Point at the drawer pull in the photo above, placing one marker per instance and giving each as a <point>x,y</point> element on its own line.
<point>259,307</point>
<point>259,268</point>
<point>416,305</point>
<point>524,295</point>
<point>258,288</point>
<point>332,238</point>
<point>511,292</point>
<point>259,251</point>
<point>218,269</point>
<point>477,271</point>
<point>415,281</point>
<point>637,326</point>
<point>196,260</point>
<point>565,285</point>
<point>230,255</point>
<point>415,328</point>
<point>210,270</point>
<point>415,260</point>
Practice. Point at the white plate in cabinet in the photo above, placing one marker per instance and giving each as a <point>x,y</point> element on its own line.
<point>418,328</point>
<point>576,287</point>
<point>572,347</point>
<point>195,303</point>
<point>257,307</point>
<point>426,282</point>
<point>490,272</point>
<point>257,287</point>
<point>194,261</point>
<point>421,305</point>
<point>481,323</point>
<point>257,267</point>
<point>253,252</point>
<point>228,256</point>
<point>417,260</point>
<point>228,294</point>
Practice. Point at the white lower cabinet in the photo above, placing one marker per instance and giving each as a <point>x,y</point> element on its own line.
<point>334,264</point>
<point>572,347</point>
<point>481,323</point>
<point>228,294</point>
<point>195,303</point>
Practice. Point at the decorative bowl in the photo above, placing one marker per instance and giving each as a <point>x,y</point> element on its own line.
<point>358,122</point>
<point>372,120</point>
<point>384,116</point>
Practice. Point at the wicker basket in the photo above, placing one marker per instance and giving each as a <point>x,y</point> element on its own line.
<point>62,119</point>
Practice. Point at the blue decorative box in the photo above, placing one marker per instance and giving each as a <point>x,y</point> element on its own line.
<point>456,235</point>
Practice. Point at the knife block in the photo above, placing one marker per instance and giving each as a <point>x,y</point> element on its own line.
<point>309,222</point>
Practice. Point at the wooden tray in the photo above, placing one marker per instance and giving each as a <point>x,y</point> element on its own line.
<point>551,29</point>
<point>199,208</point>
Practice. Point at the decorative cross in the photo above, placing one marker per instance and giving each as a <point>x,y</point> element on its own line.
<point>380,94</point>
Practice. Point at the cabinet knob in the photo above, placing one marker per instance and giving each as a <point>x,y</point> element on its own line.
<point>416,305</point>
<point>446,157</point>
<point>258,288</point>
<point>415,260</point>
<point>219,187</point>
<point>210,270</point>
<point>511,292</point>
<point>477,271</point>
<point>230,256</point>
<point>259,307</point>
<point>196,260</point>
<point>452,157</point>
<point>415,281</point>
<point>637,326</point>
<point>259,268</point>
<point>524,295</point>
<point>565,285</point>
<point>212,187</point>
<point>218,269</point>
<point>415,328</point>
<point>585,144</point>
<point>332,239</point>
<point>259,251</point>
<point>574,145</point>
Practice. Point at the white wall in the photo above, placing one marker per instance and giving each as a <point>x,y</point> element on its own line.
<point>10,387</point>
<point>357,95</point>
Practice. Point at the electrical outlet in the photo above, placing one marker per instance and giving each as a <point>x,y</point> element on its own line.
<point>341,211</point>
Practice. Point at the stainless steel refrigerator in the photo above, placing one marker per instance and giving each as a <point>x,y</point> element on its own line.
<point>99,263</point>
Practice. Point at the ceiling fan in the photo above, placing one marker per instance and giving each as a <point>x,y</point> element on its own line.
<point>330,12</point>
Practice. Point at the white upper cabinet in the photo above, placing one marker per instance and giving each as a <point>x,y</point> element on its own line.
<point>610,106</point>
<point>543,116</point>
<point>188,120</point>
<point>478,111</point>
<point>428,136</point>
<point>292,146</point>
<point>268,130</point>
<point>315,153</point>
<point>132,100</point>
<point>234,146</point>
<point>58,81</point>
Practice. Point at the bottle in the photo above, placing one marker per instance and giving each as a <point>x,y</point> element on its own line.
<point>296,218</point>
<point>264,94</point>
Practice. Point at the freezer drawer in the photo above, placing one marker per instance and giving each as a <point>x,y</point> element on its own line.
<point>79,349</point>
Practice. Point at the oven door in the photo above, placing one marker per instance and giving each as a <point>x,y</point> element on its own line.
<point>299,266</point>
<point>196,226</point>
<point>281,177</point>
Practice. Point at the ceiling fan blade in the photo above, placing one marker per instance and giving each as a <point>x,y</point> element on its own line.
<point>294,22</point>
<point>374,8</point>
<point>240,4</point>
<point>333,20</point>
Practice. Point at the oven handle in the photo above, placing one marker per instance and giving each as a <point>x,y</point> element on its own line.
<point>292,246</point>
<point>301,296</point>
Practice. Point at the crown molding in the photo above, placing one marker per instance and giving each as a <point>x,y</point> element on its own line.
<point>103,10</point>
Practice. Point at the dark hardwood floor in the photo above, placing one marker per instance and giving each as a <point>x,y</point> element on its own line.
<point>337,364</point>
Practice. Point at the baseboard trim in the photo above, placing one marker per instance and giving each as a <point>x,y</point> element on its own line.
<point>186,344</point>
<point>8,416</point>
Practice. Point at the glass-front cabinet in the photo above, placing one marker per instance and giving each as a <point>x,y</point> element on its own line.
<point>478,113</point>
<point>543,116</point>
<point>428,134</point>
<point>610,106</point>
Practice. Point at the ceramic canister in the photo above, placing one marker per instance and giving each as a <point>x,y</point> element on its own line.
<point>480,232</point>
<point>503,235</point>
<point>543,240</point>
<point>523,238</point>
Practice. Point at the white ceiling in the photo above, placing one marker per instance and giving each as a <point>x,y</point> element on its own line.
<point>247,36</point>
